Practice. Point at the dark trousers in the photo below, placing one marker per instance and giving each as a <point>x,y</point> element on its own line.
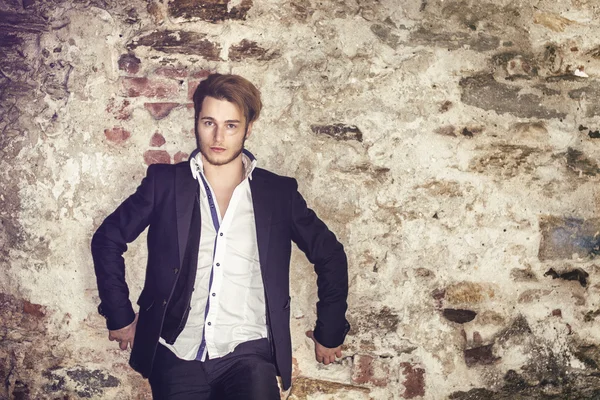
<point>248,373</point>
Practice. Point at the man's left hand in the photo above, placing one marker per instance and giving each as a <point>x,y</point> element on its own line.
<point>324,354</point>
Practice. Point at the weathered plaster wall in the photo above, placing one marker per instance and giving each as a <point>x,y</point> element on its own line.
<point>452,145</point>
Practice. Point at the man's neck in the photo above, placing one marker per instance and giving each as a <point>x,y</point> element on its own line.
<point>224,176</point>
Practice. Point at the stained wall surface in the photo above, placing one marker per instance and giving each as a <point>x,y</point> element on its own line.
<point>452,146</point>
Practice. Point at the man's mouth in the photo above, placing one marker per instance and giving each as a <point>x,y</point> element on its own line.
<point>217,149</point>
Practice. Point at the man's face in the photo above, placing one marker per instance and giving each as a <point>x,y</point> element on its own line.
<point>221,131</point>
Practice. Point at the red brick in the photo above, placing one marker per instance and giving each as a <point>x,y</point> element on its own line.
<point>414,382</point>
<point>368,370</point>
<point>129,63</point>
<point>192,85</point>
<point>157,140</point>
<point>160,110</point>
<point>180,156</point>
<point>116,134</point>
<point>202,74</point>
<point>33,309</point>
<point>157,157</point>
<point>172,72</point>
<point>135,87</point>
<point>122,112</point>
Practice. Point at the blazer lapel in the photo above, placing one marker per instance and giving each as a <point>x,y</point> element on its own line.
<point>186,192</point>
<point>262,217</point>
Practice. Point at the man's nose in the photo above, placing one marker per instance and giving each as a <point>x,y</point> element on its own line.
<point>219,134</point>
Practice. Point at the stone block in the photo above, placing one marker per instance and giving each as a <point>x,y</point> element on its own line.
<point>339,131</point>
<point>531,295</point>
<point>506,160</point>
<point>380,321</point>
<point>580,164</point>
<point>160,110</point>
<point>484,92</point>
<point>129,63</point>
<point>564,237</point>
<point>454,39</point>
<point>414,380</point>
<point>459,316</point>
<point>178,42</point>
<point>22,22</point>
<point>483,355</point>
<point>522,275</point>
<point>589,354</point>
<point>87,383</point>
<point>172,72</point>
<point>386,34</point>
<point>302,10</point>
<point>304,388</point>
<point>248,49</point>
<point>552,21</point>
<point>208,10</point>
<point>157,157</point>
<point>116,134</point>
<point>517,329</point>
<point>136,87</point>
<point>577,274</point>
<point>469,293</point>
<point>155,10</point>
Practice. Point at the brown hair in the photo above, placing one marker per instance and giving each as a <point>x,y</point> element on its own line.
<point>233,88</point>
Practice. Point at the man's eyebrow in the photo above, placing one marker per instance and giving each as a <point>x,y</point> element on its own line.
<point>227,121</point>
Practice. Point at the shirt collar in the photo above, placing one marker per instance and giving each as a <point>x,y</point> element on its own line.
<point>248,160</point>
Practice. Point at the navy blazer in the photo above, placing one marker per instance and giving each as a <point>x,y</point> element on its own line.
<point>163,203</point>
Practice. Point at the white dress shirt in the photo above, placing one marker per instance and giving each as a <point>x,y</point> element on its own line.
<point>236,311</point>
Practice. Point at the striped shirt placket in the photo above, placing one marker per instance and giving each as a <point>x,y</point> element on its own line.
<point>215,218</point>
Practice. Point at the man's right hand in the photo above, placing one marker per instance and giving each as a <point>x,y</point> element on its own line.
<point>124,336</point>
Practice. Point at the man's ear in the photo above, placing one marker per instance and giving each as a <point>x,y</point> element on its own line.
<point>249,130</point>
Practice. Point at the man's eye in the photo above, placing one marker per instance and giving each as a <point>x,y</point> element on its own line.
<point>207,123</point>
<point>231,126</point>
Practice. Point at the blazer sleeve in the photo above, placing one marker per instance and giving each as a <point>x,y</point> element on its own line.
<point>327,254</point>
<point>109,243</point>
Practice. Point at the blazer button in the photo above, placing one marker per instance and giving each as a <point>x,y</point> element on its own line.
<point>176,270</point>
<point>164,302</point>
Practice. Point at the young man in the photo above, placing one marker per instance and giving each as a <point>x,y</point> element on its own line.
<point>214,312</point>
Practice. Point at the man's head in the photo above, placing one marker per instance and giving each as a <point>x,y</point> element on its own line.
<point>226,107</point>
<point>232,88</point>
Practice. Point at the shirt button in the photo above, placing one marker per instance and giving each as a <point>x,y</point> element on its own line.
<point>208,324</point>
<point>218,265</point>
<point>214,294</point>
<point>221,234</point>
